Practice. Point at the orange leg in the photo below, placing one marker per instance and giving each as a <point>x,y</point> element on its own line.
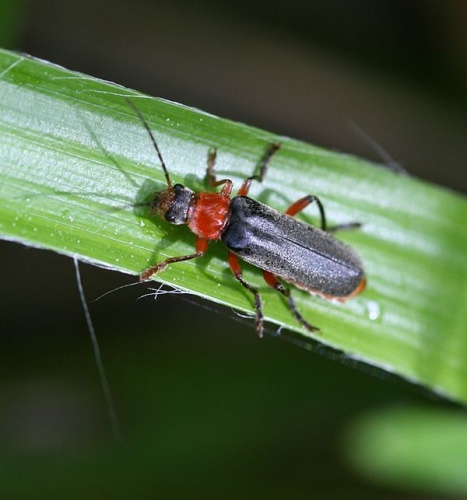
<point>302,203</point>
<point>245,187</point>
<point>201,248</point>
<point>211,175</point>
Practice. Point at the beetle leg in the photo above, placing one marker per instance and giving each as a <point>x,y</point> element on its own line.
<point>211,174</point>
<point>237,272</point>
<point>201,248</point>
<point>272,281</point>
<point>302,203</point>
<point>245,187</point>
<point>210,171</point>
<point>342,227</point>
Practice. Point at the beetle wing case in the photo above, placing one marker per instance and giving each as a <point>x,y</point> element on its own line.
<point>296,252</point>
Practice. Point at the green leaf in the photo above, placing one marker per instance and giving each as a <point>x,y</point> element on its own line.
<point>74,160</point>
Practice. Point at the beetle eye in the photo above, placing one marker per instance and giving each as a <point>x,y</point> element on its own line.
<point>170,216</point>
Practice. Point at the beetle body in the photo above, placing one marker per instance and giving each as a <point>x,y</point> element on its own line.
<point>281,246</point>
<point>301,254</point>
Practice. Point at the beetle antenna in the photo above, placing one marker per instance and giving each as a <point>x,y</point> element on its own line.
<point>153,139</point>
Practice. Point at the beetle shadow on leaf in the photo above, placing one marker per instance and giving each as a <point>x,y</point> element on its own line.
<point>144,198</point>
<point>195,183</point>
<point>98,142</point>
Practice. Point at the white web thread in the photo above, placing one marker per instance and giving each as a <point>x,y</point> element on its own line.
<point>157,292</point>
<point>388,160</point>
<point>97,356</point>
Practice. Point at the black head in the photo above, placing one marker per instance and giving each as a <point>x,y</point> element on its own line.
<point>172,204</point>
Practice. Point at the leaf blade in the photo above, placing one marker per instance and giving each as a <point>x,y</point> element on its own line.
<point>73,153</point>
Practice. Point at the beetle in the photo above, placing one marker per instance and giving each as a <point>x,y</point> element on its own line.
<point>280,245</point>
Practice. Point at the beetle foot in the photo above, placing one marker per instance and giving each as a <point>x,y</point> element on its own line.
<point>151,271</point>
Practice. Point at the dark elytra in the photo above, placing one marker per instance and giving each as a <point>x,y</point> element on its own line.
<point>301,254</point>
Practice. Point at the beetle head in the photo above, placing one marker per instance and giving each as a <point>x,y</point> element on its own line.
<point>172,204</point>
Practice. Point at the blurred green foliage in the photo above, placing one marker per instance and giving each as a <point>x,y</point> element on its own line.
<point>11,22</point>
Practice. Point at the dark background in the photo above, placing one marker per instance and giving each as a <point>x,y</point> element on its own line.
<point>206,409</point>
